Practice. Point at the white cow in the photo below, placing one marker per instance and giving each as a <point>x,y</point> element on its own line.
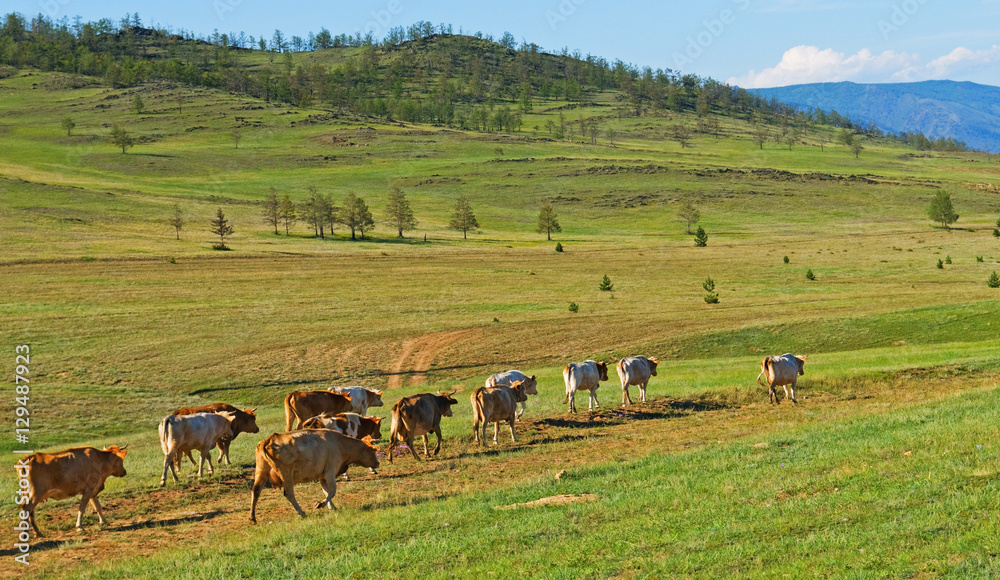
<point>636,370</point>
<point>509,378</point>
<point>361,398</point>
<point>584,376</point>
<point>201,432</point>
<point>781,370</point>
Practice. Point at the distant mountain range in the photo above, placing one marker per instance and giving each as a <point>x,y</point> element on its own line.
<point>961,110</point>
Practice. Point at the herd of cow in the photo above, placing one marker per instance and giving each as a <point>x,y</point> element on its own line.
<point>327,431</point>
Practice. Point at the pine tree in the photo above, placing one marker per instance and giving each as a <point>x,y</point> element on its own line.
<point>994,281</point>
<point>701,238</point>
<point>271,212</point>
<point>286,211</point>
<point>463,219</point>
<point>221,228</point>
<point>399,213</point>
<point>548,221</point>
<point>177,221</point>
<point>606,285</point>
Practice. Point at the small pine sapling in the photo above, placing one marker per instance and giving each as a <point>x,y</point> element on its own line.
<point>810,275</point>
<point>994,281</point>
<point>606,285</point>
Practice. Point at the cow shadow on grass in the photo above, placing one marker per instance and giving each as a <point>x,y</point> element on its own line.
<point>659,409</point>
<point>167,522</point>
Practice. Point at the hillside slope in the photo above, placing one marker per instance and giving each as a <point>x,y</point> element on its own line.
<point>961,110</point>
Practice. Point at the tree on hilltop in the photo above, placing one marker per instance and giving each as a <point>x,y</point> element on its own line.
<point>941,209</point>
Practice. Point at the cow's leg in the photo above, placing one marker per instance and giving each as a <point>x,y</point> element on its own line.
<point>773,394</point>
<point>330,487</point>
<point>572,402</point>
<point>83,507</point>
<point>260,478</point>
<point>30,508</point>
<point>413,451</point>
<point>224,451</point>
<point>475,428</point>
<point>793,392</point>
<point>642,391</point>
<point>512,437</point>
<point>290,494</point>
<point>207,455</point>
<point>168,463</point>
<point>524,405</point>
<point>437,431</point>
<point>594,395</point>
<point>97,508</point>
<point>482,438</point>
<point>426,453</point>
<point>496,432</point>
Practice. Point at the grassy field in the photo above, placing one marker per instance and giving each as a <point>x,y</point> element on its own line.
<point>126,323</point>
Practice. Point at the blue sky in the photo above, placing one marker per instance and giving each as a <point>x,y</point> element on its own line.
<point>753,43</point>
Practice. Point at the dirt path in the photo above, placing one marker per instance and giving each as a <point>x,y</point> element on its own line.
<point>417,355</point>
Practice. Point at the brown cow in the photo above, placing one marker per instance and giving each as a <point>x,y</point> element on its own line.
<point>285,459</point>
<point>77,471</point>
<point>496,404</point>
<point>300,406</point>
<point>244,422</point>
<point>419,415</point>
<point>350,424</point>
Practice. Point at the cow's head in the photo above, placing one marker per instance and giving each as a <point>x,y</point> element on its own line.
<point>117,460</point>
<point>531,385</point>
<point>445,402</point>
<point>375,398</point>
<point>369,458</point>
<point>801,360</point>
<point>246,422</point>
<point>652,365</point>
<point>377,434</point>
<point>230,417</point>
<point>602,371</point>
<point>520,389</point>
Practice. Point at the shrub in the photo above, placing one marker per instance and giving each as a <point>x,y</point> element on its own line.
<point>979,258</point>
<point>810,275</point>
<point>947,259</point>
<point>573,307</point>
<point>711,298</point>
<point>606,285</point>
<point>940,264</point>
<point>996,233</point>
<point>786,259</point>
<point>700,238</point>
<point>994,281</point>
<point>220,246</point>
<point>559,247</point>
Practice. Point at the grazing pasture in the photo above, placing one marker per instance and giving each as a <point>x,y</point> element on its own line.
<point>878,470</point>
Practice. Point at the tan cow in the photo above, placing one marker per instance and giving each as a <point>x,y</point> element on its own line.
<point>300,406</point>
<point>201,432</point>
<point>78,471</point>
<point>584,376</point>
<point>361,398</point>
<point>288,458</point>
<point>493,405</point>
<point>635,370</point>
<point>417,416</point>
<point>508,377</point>
<point>351,424</point>
<point>781,370</point>
<point>245,421</point>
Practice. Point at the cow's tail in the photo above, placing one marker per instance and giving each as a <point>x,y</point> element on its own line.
<point>764,365</point>
<point>566,379</point>
<point>266,451</point>
<point>290,415</point>
<point>165,433</point>
<point>478,419</point>
<point>394,434</point>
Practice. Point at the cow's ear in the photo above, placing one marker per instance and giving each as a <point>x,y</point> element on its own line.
<point>377,420</point>
<point>251,411</point>
<point>533,377</point>
<point>348,397</point>
<point>379,393</point>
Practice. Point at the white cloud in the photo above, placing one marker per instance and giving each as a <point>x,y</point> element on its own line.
<point>809,64</point>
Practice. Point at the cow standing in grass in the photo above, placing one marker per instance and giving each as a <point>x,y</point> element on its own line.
<point>300,406</point>
<point>201,432</point>
<point>284,459</point>
<point>244,421</point>
<point>781,370</point>
<point>78,471</point>
<point>584,376</point>
<point>493,405</point>
<point>417,416</point>
<point>510,377</point>
<point>636,370</point>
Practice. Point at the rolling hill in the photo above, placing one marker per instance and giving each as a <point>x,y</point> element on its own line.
<point>964,111</point>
